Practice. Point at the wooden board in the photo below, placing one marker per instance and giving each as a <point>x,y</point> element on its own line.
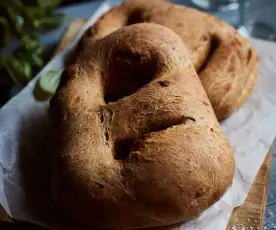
<point>72,30</point>
<point>250,215</point>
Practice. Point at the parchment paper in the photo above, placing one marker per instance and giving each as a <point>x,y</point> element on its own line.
<point>25,147</point>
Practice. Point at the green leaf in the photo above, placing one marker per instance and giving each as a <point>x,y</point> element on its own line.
<point>17,21</point>
<point>49,3</point>
<point>35,11</point>
<point>23,21</point>
<point>39,50</point>
<point>6,34</point>
<point>19,70</point>
<point>15,4</point>
<point>34,59</point>
<point>30,43</point>
<point>33,14</point>
<point>47,85</point>
<point>51,22</point>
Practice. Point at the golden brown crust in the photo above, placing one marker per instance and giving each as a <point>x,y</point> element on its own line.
<point>226,63</point>
<point>140,147</point>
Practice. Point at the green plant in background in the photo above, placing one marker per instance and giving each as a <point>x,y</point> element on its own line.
<point>24,20</point>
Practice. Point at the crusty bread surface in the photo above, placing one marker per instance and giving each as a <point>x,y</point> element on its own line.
<point>225,61</point>
<point>137,141</point>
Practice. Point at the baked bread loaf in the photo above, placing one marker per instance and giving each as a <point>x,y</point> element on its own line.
<point>225,62</point>
<point>137,141</point>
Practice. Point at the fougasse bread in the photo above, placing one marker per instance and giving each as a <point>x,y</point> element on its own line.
<point>137,142</point>
<point>225,61</point>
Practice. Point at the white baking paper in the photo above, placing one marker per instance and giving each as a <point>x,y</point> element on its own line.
<point>25,147</point>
